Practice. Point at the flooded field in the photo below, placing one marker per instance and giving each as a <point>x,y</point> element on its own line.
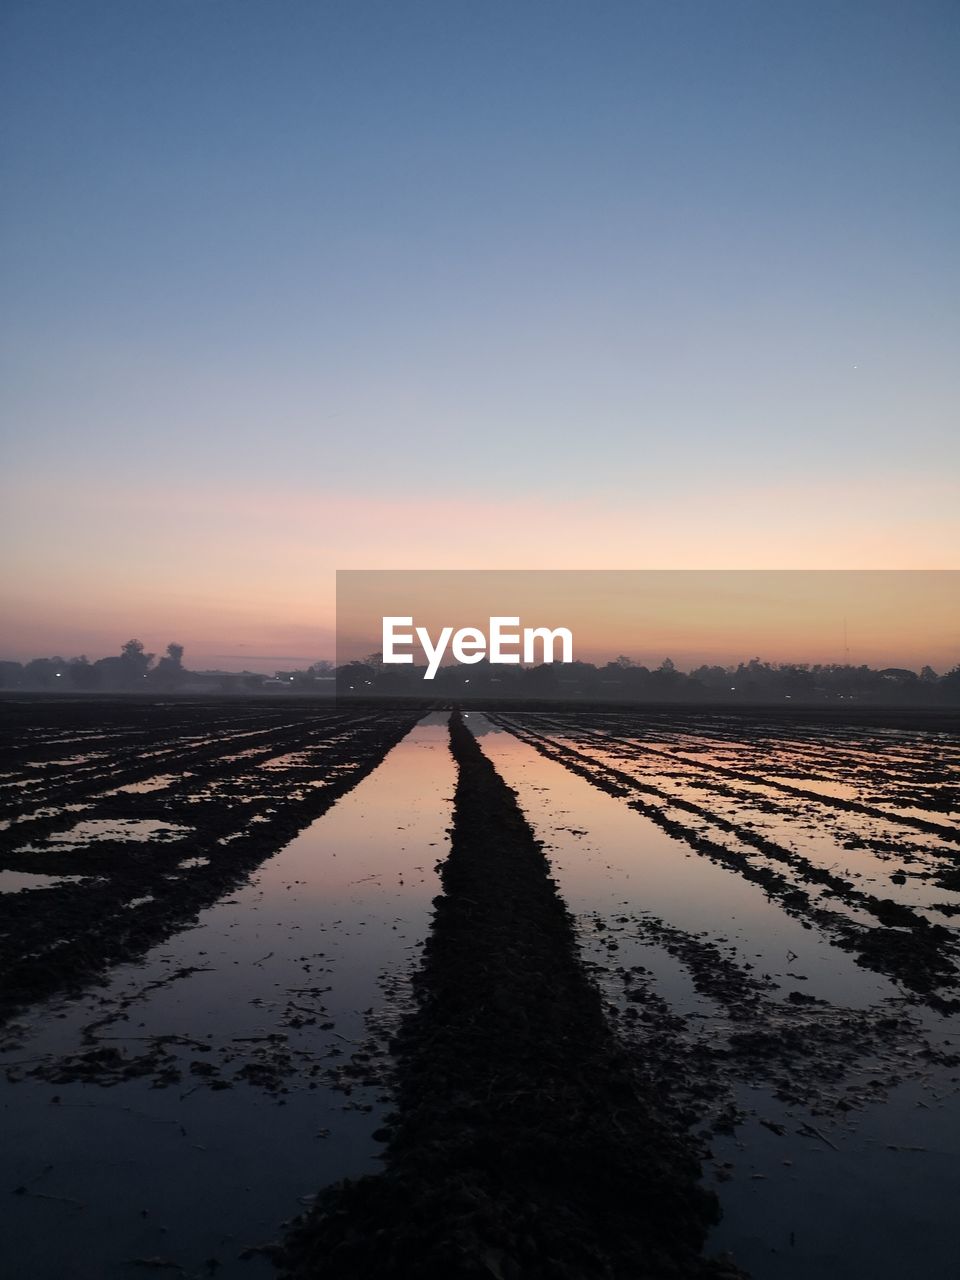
<point>766,941</point>
<point>214,919</point>
<point>136,815</point>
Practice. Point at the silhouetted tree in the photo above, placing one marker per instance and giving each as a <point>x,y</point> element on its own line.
<point>133,655</point>
<point>11,674</point>
<point>82,674</point>
<point>41,673</point>
<point>169,670</point>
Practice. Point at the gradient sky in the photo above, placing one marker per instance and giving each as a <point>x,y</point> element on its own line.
<point>304,286</point>
<point>902,618</point>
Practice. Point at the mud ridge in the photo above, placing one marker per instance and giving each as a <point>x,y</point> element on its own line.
<point>525,1145</point>
<point>904,945</point>
<point>787,788</point>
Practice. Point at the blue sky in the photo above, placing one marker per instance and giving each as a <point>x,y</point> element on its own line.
<point>621,254</point>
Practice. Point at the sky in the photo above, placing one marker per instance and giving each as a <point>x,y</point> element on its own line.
<point>903,618</point>
<point>298,287</point>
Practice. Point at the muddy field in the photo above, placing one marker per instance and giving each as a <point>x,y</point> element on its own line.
<point>769,907</point>
<point>555,1000</point>
<point>856,832</point>
<point>119,820</point>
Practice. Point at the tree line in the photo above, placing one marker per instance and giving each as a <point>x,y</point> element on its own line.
<point>134,670</point>
<point>624,680</point>
<point>131,670</point>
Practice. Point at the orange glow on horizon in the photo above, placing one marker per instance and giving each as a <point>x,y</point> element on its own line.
<point>692,617</point>
<point>234,572</point>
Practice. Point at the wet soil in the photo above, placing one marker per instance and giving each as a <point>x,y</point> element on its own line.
<point>184,1109</point>
<point>228,785</point>
<point>824,1091</point>
<point>525,1142</point>
<point>891,937</point>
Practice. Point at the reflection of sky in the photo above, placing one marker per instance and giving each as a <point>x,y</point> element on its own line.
<point>607,858</point>
<point>311,933</point>
<point>422,285</point>
<point>792,1199</point>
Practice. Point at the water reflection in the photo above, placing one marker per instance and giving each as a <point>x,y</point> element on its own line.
<point>606,857</point>
<point>865,1194</point>
<point>14,881</point>
<point>279,979</point>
